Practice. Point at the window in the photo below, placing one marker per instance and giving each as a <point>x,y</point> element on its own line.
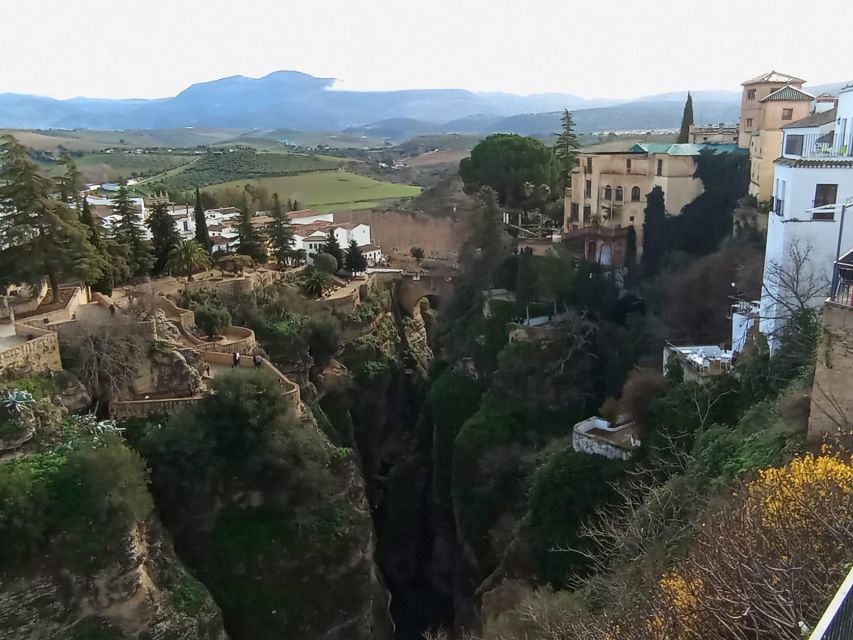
<point>587,189</point>
<point>749,123</point>
<point>793,145</point>
<point>824,194</point>
<point>750,94</point>
<point>704,138</point>
<point>587,212</point>
<point>608,193</point>
<point>628,165</point>
<point>660,168</point>
<point>635,194</point>
<point>787,114</point>
<point>631,219</point>
<point>618,194</point>
<point>589,165</point>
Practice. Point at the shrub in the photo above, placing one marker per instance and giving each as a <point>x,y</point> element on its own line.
<point>322,333</point>
<point>326,262</point>
<point>211,320</point>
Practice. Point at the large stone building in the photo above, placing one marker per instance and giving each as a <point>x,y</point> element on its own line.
<point>608,193</point>
<point>769,102</point>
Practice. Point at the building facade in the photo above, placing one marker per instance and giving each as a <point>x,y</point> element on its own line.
<point>812,189</point>
<point>608,194</point>
<point>720,134</point>
<point>768,103</point>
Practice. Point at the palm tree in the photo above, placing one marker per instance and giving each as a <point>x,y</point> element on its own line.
<point>186,257</point>
<point>317,283</point>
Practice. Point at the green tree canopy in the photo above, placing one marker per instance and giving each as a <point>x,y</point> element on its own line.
<point>280,233</point>
<point>332,247</point>
<point>202,236</point>
<point>251,240</point>
<point>164,236</point>
<point>354,261</point>
<point>186,257</point>
<point>505,162</point>
<point>40,237</point>
<point>128,232</point>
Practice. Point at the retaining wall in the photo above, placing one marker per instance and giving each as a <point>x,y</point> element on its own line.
<point>40,352</point>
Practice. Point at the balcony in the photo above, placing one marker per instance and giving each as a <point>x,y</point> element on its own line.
<point>814,146</point>
<point>842,283</point>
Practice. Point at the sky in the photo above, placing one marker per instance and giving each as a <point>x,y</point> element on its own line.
<point>591,48</point>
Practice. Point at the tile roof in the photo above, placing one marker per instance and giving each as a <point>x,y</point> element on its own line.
<point>834,163</point>
<point>304,213</point>
<point>368,248</point>
<point>684,149</point>
<point>774,76</point>
<point>787,93</point>
<point>814,120</point>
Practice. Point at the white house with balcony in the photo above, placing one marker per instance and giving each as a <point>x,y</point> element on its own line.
<point>813,186</point>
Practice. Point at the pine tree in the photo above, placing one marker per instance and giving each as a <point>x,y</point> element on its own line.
<point>251,241</point>
<point>654,232</point>
<point>332,247</point>
<point>164,236</point>
<point>104,282</point>
<point>128,232</point>
<point>686,121</point>
<point>40,237</point>
<point>354,261</point>
<point>280,233</point>
<point>567,145</point>
<point>69,182</point>
<point>202,236</point>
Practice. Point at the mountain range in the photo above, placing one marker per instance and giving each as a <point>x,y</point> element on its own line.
<point>294,100</point>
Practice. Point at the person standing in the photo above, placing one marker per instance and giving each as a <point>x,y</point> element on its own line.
<point>235,359</point>
<point>256,360</point>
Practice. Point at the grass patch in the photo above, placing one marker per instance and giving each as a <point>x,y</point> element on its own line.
<point>329,190</point>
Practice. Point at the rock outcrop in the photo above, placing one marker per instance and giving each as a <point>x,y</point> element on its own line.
<point>144,592</point>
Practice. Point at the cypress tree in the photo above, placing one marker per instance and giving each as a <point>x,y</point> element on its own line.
<point>202,236</point>
<point>280,232</point>
<point>567,145</point>
<point>654,240</point>
<point>686,121</point>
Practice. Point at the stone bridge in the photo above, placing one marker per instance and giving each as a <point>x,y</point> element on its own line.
<point>412,286</point>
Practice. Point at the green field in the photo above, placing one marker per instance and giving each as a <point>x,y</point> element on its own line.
<point>328,190</point>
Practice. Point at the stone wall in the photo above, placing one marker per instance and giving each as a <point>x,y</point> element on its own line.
<point>339,306</point>
<point>589,444</point>
<point>832,393</point>
<point>40,352</point>
<point>79,297</point>
<point>289,388</point>
<point>239,340</point>
<point>242,285</point>
<point>150,408</point>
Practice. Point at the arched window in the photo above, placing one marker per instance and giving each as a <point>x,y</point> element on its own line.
<point>635,194</point>
<point>618,194</point>
<point>608,193</point>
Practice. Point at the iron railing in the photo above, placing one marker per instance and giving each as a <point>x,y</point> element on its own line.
<point>837,622</point>
<point>842,290</point>
<point>815,146</point>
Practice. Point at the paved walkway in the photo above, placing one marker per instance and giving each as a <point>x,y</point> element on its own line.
<point>8,339</point>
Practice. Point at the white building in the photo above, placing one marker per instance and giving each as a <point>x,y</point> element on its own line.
<point>813,183</point>
<point>312,237</point>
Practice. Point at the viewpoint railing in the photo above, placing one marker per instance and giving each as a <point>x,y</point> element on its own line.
<point>815,146</point>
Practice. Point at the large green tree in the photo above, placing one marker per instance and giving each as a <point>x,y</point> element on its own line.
<point>654,231</point>
<point>128,231</point>
<point>251,241</point>
<point>40,236</point>
<point>164,236</point>
<point>505,162</point>
<point>202,236</point>
<point>280,233</point>
<point>567,145</point>
<point>686,120</point>
<point>354,261</point>
<point>103,283</point>
<point>69,182</point>
<point>525,282</point>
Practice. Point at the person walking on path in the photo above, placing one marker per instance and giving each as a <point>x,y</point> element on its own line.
<point>235,360</point>
<point>256,360</point>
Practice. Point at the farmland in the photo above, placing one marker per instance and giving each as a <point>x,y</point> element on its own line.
<point>328,190</point>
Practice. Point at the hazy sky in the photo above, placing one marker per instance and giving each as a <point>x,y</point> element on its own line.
<point>615,48</point>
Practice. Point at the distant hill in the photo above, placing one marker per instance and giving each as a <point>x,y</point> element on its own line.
<point>294,101</point>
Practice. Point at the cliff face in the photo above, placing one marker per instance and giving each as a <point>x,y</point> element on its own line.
<point>271,517</point>
<point>142,592</point>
